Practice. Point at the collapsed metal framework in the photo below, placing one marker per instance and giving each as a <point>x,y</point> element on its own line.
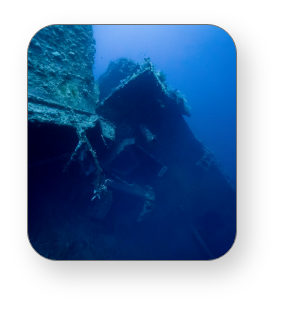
<point>139,144</point>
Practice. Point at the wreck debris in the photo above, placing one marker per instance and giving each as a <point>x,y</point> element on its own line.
<point>95,195</point>
<point>83,138</point>
<point>148,204</point>
<point>103,139</point>
<point>206,161</point>
<point>118,178</point>
<point>108,129</point>
<point>147,133</point>
<point>73,156</point>
<point>103,187</point>
<point>118,149</point>
<point>162,171</point>
<point>128,188</point>
<point>102,204</point>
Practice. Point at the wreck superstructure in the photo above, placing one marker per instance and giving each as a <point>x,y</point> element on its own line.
<point>124,178</point>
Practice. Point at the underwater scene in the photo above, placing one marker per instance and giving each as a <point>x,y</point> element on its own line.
<point>131,142</point>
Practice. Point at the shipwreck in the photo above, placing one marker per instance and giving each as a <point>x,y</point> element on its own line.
<point>114,171</point>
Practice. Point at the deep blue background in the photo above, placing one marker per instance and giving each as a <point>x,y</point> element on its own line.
<point>198,60</point>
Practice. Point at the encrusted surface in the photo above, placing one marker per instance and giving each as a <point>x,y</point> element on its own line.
<point>60,62</point>
<point>59,116</point>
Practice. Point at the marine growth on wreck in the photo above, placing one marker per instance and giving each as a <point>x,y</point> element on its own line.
<point>114,171</point>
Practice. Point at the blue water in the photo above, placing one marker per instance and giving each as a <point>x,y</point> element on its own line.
<point>199,61</point>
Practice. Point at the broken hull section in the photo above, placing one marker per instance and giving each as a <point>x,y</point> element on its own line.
<point>127,182</point>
